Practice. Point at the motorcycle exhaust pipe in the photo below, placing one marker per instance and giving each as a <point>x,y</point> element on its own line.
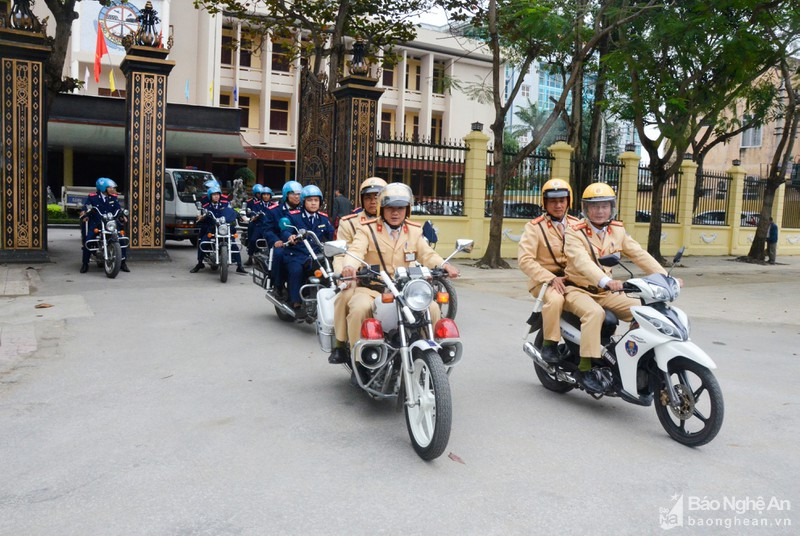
<point>280,305</point>
<point>535,354</point>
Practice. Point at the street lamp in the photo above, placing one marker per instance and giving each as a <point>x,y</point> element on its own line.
<point>630,147</point>
<point>358,66</point>
<point>477,126</point>
<point>737,162</point>
<point>688,156</point>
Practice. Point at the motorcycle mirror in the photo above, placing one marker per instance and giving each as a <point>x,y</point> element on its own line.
<point>284,224</point>
<point>464,244</point>
<point>125,212</point>
<point>678,255</point>
<point>335,247</point>
<point>198,205</point>
<point>609,260</point>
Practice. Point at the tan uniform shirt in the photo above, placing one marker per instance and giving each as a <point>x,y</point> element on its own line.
<point>583,271</point>
<point>347,231</point>
<point>533,255</point>
<point>409,247</point>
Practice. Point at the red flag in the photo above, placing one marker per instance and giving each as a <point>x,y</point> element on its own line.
<point>99,51</point>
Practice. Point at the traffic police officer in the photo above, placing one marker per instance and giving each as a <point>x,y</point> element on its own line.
<point>295,256</point>
<point>541,257</point>
<point>390,240</point>
<point>218,207</point>
<point>590,286</point>
<point>105,200</point>
<point>348,225</point>
<point>291,201</point>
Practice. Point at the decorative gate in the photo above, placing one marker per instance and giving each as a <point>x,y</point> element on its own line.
<point>315,142</point>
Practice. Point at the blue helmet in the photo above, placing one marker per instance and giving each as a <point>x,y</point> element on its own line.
<point>211,182</point>
<point>104,183</point>
<point>311,191</point>
<point>213,189</point>
<point>257,189</point>
<point>292,187</point>
<point>266,190</point>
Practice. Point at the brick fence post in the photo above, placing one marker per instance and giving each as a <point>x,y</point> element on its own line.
<point>627,190</point>
<point>475,190</point>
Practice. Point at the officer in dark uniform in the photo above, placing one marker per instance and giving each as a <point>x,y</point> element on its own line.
<point>271,230</point>
<point>219,207</point>
<point>256,209</point>
<point>296,257</point>
<point>105,199</point>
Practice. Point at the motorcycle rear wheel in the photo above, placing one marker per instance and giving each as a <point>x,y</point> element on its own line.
<point>450,308</point>
<point>429,421</point>
<point>548,380</point>
<point>223,263</point>
<point>691,382</point>
<point>114,261</point>
<point>283,316</point>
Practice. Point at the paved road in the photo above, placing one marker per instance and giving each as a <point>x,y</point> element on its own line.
<point>164,402</point>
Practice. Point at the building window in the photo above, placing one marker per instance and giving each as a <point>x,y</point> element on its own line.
<point>438,77</point>
<point>413,75</point>
<point>280,58</point>
<point>752,136</point>
<point>525,91</point>
<point>412,126</point>
<point>279,115</point>
<point>388,75</point>
<point>224,100</point>
<point>550,87</point>
<point>387,124</point>
<point>226,54</point>
<point>245,53</point>
<point>244,106</point>
<point>436,129</point>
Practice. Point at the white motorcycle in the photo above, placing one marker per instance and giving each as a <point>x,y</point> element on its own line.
<point>107,248</point>
<point>401,355</point>
<point>654,359</point>
<point>218,251</point>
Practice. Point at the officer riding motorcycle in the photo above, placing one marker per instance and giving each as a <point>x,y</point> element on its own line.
<point>104,201</point>
<point>218,208</point>
<point>291,192</point>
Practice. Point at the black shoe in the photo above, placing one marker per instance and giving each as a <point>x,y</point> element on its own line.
<point>591,381</point>
<point>240,270</point>
<point>299,313</point>
<point>339,356</point>
<point>124,267</point>
<point>197,267</point>
<point>550,354</point>
<point>84,268</point>
<point>249,261</point>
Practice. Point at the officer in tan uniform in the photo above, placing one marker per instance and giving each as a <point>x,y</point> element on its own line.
<point>389,241</point>
<point>348,225</point>
<point>541,257</point>
<point>589,284</point>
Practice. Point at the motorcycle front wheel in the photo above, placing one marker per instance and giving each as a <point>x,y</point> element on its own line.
<point>549,381</point>
<point>223,263</point>
<point>429,420</point>
<point>698,417</point>
<point>114,261</point>
<point>448,309</point>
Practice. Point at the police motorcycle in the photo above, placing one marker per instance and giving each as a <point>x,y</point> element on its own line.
<point>401,356</point>
<point>320,278</point>
<point>654,361</point>
<point>106,248</point>
<point>217,252</point>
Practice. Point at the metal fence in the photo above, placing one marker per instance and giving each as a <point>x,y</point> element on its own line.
<point>791,207</point>
<point>644,197</point>
<point>711,198</point>
<point>608,172</point>
<point>434,171</point>
<point>522,197</point>
<point>752,200</point>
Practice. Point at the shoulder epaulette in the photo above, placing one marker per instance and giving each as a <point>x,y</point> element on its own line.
<point>295,211</point>
<point>617,223</point>
<point>580,225</point>
<point>358,210</point>
<point>322,214</point>
<point>373,220</point>
<point>206,204</point>
<point>93,195</point>
<point>413,223</point>
<point>273,207</point>
<point>572,218</point>
<point>348,217</point>
<point>539,219</point>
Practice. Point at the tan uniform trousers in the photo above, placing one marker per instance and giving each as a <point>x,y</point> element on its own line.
<point>340,310</point>
<point>360,308</point>
<point>589,308</point>
<point>551,312</point>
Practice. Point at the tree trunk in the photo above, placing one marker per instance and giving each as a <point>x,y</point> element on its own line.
<point>63,12</point>
<point>492,257</point>
<point>659,178</point>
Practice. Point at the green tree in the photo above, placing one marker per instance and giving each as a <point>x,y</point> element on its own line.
<point>679,65</point>
<point>522,32</point>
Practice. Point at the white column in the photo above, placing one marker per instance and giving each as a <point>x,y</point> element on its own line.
<point>448,102</point>
<point>400,116</point>
<point>236,62</point>
<point>266,89</point>
<point>425,113</point>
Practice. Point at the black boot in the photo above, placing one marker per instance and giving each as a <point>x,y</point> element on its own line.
<point>550,354</point>
<point>84,268</point>
<point>339,356</point>
<point>591,381</point>
<point>249,261</point>
<point>240,269</point>
<point>124,267</point>
<point>197,267</point>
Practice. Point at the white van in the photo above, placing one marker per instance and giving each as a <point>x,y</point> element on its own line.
<point>182,187</point>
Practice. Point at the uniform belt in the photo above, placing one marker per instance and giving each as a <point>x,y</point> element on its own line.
<point>591,288</point>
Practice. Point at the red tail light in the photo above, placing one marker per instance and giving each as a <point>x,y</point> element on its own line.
<point>371,329</point>
<point>446,329</point>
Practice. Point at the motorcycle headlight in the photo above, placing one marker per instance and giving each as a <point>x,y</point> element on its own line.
<point>224,229</point>
<point>667,328</point>
<point>111,226</point>
<point>418,294</point>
